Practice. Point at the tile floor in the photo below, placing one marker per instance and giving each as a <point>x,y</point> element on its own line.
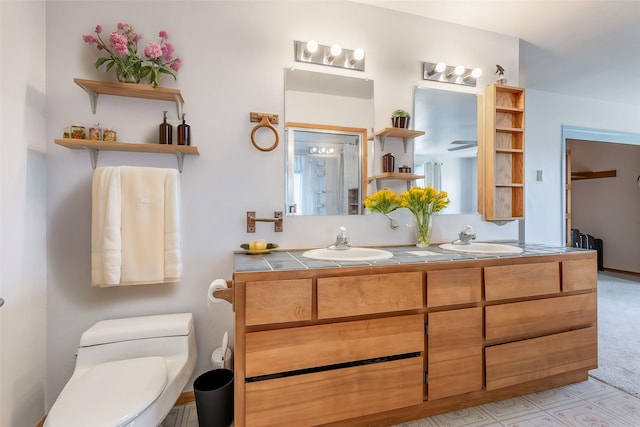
<point>590,403</point>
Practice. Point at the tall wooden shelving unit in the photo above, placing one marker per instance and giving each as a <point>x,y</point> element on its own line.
<point>503,153</point>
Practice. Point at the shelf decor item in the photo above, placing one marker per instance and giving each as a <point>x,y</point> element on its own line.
<point>423,203</point>
<point>400,119</point>
<point>131,67</point>
<point>384,201</point>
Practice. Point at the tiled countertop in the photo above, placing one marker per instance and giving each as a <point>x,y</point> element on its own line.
<point>287,260</point>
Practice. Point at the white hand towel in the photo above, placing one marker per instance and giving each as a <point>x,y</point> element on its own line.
<point>106,245</point>
<point>135,226</point>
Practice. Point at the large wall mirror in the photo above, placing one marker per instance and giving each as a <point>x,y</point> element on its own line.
<point>447,155</point>
<point>326,112</point>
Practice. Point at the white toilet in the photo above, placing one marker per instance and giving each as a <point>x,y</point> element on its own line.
<point>129,372</point>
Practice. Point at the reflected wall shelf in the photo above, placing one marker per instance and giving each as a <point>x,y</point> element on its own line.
<point>131,90</point>
<point>94,147</point>
<point>406,135</point>
<point>576,176</point>
<point>408,177</point>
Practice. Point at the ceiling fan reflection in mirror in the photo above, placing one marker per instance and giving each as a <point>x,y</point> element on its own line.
<point>462,145</point>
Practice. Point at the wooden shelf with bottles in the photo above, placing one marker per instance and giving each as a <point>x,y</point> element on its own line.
<point>93,147</point>
<point>405,134</point>
<point>503,153</point>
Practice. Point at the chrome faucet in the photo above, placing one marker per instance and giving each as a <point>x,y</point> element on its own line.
<point>465,236</point>
<point>342,241</point>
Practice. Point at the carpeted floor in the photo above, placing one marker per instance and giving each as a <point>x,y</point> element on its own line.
<point>619,331</point>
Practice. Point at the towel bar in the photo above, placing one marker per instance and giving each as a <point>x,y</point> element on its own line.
<point>251,221</point>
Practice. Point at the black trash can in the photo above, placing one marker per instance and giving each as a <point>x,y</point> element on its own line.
<point>214,398</point>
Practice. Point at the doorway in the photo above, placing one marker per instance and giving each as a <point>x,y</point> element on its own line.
<point>601,195</point>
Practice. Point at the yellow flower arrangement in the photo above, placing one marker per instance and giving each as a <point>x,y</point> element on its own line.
<point>384,201</point>
<point>422,202</point>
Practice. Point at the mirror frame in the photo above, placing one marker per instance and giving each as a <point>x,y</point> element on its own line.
<point>331,128</point>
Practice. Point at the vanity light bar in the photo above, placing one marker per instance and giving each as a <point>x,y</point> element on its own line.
<point>441,72</point>
<point>334,55</point>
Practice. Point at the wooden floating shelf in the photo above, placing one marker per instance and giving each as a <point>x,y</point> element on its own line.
<point>131,90</point>
<point>396,175</point>
<point>408,177</point>
<point>95,146</point>
<point>405,134</point>
<point>576,176</point>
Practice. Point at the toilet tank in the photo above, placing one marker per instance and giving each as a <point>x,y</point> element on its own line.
<point>168,335</point>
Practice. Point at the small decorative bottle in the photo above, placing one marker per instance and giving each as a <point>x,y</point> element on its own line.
<point>184,133</point>
<point>166,131</point>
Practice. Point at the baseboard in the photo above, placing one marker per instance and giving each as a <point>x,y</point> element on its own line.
<point>186,397</point>
<point>613,270</point>
<point>183,399</point>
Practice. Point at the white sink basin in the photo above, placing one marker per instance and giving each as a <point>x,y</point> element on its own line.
<point>482,248</point>
<point>352,254</point>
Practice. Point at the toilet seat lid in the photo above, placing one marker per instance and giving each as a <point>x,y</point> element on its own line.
<point>109,394</point>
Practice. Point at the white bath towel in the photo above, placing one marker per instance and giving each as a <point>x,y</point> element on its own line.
<point>135,226</point>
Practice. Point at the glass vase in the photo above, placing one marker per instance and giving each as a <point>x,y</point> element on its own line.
<point>127,74</point>
<point>423,230</point>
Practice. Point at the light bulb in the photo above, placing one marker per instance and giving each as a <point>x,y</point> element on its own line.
<point>476,72</point>
<point>440,67</point>
<point>312,46</point>
<point>358,54</point>
<point>336,49</point>
<point>459,70</point>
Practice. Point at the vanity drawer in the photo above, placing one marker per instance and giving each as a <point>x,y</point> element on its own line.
<point>278,301</point>
<point>376,293</point>
<point>285,350</point>
<point>522,280</point>
<point>339,394</point>
<point>528,360</point>
<point>537,317</point>
<point>579,274</point>
<point>450,287</point>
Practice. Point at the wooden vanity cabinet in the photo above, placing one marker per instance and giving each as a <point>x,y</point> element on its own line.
<point>359,346</point>
<point>333,348</point>
<point>544,332</point>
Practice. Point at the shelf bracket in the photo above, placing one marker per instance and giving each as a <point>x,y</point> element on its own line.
<point>180,158</point>
<point>405,140</point>
<point>179,108</point>
<point>93,98</point>
<point>93,154</point>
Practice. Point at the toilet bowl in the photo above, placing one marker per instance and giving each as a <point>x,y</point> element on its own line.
<point>129,372</point>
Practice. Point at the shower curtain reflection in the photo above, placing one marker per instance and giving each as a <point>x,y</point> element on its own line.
<point>325,172</point>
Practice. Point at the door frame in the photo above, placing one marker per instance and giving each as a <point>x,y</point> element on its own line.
<point>592,135</point>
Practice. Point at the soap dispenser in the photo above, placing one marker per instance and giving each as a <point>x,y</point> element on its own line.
<point>184,133</point>
<point>166,131</point>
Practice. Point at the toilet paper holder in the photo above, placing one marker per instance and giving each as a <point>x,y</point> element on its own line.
<point>219,293</point>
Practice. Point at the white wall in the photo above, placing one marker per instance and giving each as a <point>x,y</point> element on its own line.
<point>22,212</point>
<point>234,55</point>
<point>545,114</point>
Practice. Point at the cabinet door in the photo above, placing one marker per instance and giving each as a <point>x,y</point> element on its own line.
<point>528,360</point>
<point>333,395</point>
<point>521,281</point>
<point>370,294</point>
<point>454,352</point>
<point>579,274</point>
<point>293,349</point>
<point>278,301</point>
<point>530,318</point>
<point>457,286</point>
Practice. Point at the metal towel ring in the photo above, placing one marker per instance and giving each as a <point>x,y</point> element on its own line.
<point>264,122</point>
